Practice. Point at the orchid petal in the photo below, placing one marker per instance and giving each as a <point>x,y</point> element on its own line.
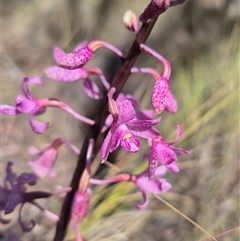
<point>116,138</point>
<point>135,103</point>
<point>126,112</point>
<point>180,150</point>
<point>145,114</point>
<point>145,201</point>
<point>160,171</point>
<point>77,59</point>
<point>179,134</point>
<point>4,193</point>
<point>165,185</point>
<point>38,127</point>
<point>26,178</point>
<point>23,226</point>
<point>32,150</point>
<point>159,94</point>
<point>58,54</point>
<point>130,142</point>
<point>27,82</point>
<point>24,105</point>
<point>153,186</point>
<point>171,104</point>
<point>120,98</point>
<point>91,89</point>
<point>64,75</point>
<point>162,153</point>
<point>142,125</point>
<point>79,207</point>
<point>43,165</point>
<point>8,110</point>
<point>14,199</point>
<point>152,166</point>
<point>147,134</point>
<point>105,149</point>
<point>173,167</point>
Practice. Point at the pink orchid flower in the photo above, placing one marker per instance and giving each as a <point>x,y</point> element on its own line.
<point>126,127</point>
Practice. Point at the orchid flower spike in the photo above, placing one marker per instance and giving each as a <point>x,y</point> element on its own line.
<point>80,57</point>
<point>154,9</point>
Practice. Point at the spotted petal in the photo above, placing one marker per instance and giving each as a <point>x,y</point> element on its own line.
<point>159,94</point>
<point>77,59</point>
<point>64,75</point>
<point>162,152</point>
<point>145,200</point>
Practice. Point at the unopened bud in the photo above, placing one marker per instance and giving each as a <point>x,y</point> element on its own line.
<point>130,21</point>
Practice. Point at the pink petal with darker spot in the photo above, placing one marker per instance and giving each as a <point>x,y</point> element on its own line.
<point>65,75</point>
<point>159,94</point>
<point>77,59</point>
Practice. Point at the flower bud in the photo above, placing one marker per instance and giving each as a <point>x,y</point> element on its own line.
<point>130,21</point>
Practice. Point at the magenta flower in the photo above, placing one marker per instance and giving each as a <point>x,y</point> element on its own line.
<point>79,210</point>
<point>70,75</point>
<point>162,98</point>
<point>155,186</point>
<point>83,54</point>
<point>33,106</point>
<point>126,127</point>
<point>28,104</point>
<point>15,193</point>
<point>165,153</point>
<point>154,9</point>
<point>159,94</point>
<point>43,164</point>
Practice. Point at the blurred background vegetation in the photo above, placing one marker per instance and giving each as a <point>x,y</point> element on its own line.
<point>201,40</point>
